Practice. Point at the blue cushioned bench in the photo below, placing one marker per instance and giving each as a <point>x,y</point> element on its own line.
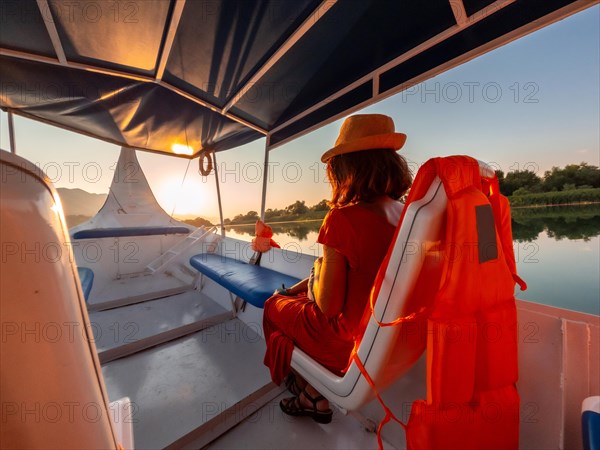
<point>590,423</point>
<point>86,276</point>
<point>128,231</point>
<point>254,284</point>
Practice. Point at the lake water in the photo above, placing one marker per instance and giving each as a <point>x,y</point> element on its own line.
<point>557,251</point>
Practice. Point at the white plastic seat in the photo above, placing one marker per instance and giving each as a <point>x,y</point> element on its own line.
<point>410,284</point>
<point>49,358</point>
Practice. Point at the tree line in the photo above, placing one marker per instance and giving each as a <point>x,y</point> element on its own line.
<point>572,184</point>
<point>296,210</point>
<point>571,177</point>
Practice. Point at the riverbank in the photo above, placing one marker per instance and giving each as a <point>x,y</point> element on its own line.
<point>311,216</point>
<point>281,222</point>
<point>519,205</point>
<point>556,198</point>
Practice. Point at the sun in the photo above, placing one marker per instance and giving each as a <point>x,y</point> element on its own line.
<point>187,200</point>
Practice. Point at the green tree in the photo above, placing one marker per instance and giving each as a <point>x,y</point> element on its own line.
<point>249,217</point>
<point>588,175</point>
<point>199,222</point>
<point>520,179</point>
<point>521,191</point>
<point>571,175</point>
<point>500,176</point>
<point>555,179</point>
<point>323,205</point>
<point>297,208</point>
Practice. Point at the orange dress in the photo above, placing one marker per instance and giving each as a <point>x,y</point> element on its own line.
<point>363,237</point>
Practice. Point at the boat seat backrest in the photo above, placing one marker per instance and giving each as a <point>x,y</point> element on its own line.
<point>43,291</point>
<point>98,233</point>
<point>409,285</point>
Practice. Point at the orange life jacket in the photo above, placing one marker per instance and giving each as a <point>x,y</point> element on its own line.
<point>472,401</point>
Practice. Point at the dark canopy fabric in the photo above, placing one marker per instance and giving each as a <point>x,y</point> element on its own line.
<point>216,74</point>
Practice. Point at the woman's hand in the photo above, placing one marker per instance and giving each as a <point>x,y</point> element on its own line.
<point>283,291</point>
<point>294,290</point>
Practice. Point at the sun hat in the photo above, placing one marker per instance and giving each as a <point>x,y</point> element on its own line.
<point>366,132</point>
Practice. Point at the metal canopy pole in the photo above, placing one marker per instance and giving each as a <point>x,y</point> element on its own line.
<point>168,44</point>
<point>214,157</point>
<point>11,133</point>
<point>263,202</point>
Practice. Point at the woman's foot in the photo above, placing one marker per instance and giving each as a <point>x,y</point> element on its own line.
<point>308,403</point>
<point>294,383</point>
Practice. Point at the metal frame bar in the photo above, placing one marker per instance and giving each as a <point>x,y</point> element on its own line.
<point>131,76</point>
<point>374,75</point>
<point>168,44</point>
<point>544,21</point>
<point>310,21</point>
<point>44,8</point>
<point>263,201</point>
<point>212,107</point>
<point>218,194</point>
<point>84,133</point>
<point>73,65</point>
<point>11,133</point>
<point>458,9</point>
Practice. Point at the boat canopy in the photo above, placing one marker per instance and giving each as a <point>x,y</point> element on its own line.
<point>178,77</point>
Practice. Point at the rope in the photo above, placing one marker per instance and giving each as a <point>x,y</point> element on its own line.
<point>389,415</point>
<point>180,188</point>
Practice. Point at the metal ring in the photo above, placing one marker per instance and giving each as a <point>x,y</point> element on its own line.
<point>205,171</point>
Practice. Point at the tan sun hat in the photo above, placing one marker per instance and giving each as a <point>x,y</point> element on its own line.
<point>366,132</point>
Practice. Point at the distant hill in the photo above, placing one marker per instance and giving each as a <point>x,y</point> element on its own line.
<point>77,202</point>
<point>199,222</point>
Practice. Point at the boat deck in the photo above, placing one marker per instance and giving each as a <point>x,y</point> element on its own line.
<point>270,429</point>
<point>126,330</point>
<point>135,289</point>
<point>188,391</point>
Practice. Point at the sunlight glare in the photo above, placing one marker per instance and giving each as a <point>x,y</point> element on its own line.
<point>182,201</point>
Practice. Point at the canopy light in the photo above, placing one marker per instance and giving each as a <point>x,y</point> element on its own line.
<point>180,149</point>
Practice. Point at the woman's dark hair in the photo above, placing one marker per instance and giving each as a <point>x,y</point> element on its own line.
<point>366,175</point>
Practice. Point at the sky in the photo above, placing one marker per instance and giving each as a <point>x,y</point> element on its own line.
<point>531,104</point>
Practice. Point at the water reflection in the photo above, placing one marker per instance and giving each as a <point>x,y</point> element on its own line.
<point>559,222</point>
<point>296,230</point>
<point>570,222</point>
<point>546,240</point>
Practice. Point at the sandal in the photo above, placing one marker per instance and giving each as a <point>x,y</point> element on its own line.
<point>293,407</point>
<point>291,383</point>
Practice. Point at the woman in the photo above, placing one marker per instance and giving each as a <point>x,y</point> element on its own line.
<point>322,315</point>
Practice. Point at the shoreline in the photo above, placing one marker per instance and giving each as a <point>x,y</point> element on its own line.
<point>275,223</point>
<point>518,207</point>
<point>308,221</point>
<point>553,205</point>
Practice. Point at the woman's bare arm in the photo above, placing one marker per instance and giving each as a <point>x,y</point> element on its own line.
<point>299,287</point>
<point>330,282</point>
